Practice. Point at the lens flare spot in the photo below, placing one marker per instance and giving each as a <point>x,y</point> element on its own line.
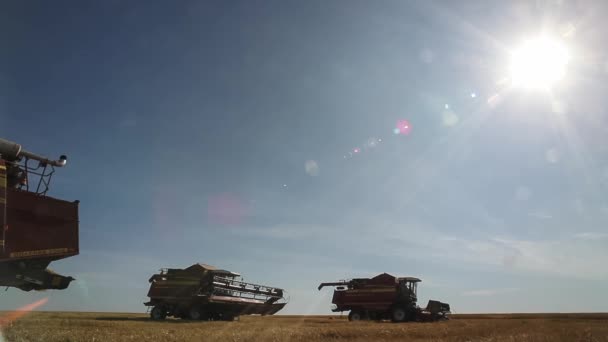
<point>450,118</point>
<point>372,142</point>
<point>473,95</point>
<point>569,30</point>
<point>579,206</point>
<point>427,56</point>
<point>494,100</point>
<point>12,316</point>
<point>356,150</point>
<point>227,209</point>
<point>403,127</point>
<point>523,193</point>
<point>559,107</point>
<point>552,156</point>
<point>312,168</point>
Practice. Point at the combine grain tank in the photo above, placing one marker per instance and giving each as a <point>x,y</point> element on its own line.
<point>384,297</point>
<point>203,292</point>
<point>35,229</point>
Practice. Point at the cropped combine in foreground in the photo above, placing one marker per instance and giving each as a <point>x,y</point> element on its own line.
<point>384,297</point>
<point>203,292</point>
<point>35,229</point>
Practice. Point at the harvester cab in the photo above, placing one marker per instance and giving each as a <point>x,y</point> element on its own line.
<point>408,287</point>
<point>35,229</point>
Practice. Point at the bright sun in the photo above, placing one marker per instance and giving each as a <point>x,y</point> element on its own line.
<point>539,63</point>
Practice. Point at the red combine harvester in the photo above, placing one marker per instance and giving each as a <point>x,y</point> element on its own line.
<point>35,229</point>
<point>384,297</point>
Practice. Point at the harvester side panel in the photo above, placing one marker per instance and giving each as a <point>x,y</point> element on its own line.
<point>172,287</point>
<point>2,205</point>
<point>39,227</point>
<point>369,298</point>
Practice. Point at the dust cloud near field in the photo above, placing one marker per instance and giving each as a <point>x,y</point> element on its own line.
<point>64,327</point>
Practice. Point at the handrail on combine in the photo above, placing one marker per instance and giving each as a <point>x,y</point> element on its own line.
<point>19,160</point>
<point>337,283</point>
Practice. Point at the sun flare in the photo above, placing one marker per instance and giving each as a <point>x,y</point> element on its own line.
<point>539,63</point>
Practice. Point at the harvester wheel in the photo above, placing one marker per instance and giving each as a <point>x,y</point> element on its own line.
<point>158,313</point>
<point>355,316</point>
<point>398,314</point>
<point>195,313</point>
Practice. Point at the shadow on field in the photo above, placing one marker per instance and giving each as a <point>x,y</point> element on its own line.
<point>144,319</point>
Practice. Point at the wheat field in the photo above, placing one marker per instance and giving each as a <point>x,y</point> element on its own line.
<point>73,326</point>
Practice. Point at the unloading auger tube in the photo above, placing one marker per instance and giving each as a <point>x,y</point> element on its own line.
<point>12,151</point>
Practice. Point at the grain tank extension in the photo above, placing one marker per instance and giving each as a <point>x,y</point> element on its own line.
<point>384,297</point>
<point>204,292</point>
<point>35,229</point>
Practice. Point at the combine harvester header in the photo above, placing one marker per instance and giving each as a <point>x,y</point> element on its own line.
<point>204,292</point>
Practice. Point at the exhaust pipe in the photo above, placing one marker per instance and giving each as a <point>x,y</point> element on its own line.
<point>11,151</point>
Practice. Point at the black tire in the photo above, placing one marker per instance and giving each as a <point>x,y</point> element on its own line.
<point>158,313</point>
<point>195,313</point>
<point>354,316</point>
<point>399,314</point>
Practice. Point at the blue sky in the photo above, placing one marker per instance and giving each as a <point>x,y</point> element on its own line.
<point>224,133</point>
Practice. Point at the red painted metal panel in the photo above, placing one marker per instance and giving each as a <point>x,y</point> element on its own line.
<point>39,227</point>
<point>383,279</point>
<point>377,297</point>
<point>2,203</point>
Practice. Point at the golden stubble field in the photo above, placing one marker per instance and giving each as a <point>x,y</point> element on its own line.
<point>72,326</point>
